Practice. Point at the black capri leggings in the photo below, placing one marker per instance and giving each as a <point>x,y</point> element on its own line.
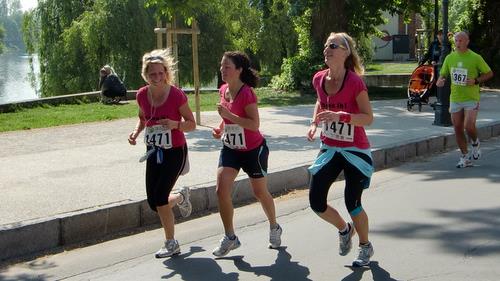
<point>161,177</point>
<point>355,182</point>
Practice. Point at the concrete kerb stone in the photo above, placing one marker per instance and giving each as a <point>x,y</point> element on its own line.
<point>38,236</point>
<point>28,237</point>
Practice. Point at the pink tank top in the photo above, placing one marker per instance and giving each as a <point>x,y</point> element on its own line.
<point>344,100</point>
<point>169,109</point>
<point>244,97</point>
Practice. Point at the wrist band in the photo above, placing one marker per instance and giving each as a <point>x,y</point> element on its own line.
<point>345,118</point>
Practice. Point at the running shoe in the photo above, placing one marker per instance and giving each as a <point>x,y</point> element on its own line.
<point>345,240</point>
<point>275,237</point>
<point>464,161</point>
<point>170,248</point>
<point>476,151</point>
<point>365,252</point>
<point>185,206</point>
<point>226,245</point>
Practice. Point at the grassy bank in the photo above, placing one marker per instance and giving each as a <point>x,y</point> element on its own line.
<point>48,116</point>
<point>390,67</point>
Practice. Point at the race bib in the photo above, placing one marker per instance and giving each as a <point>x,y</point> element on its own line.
<point>234,136</point>
<point>338,131</point>
<point>459,76</point>
<point>158,135</point>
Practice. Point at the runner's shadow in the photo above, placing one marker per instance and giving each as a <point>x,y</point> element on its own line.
<point>282,269</point>
<point>196,268</point>
<point>379,274</point>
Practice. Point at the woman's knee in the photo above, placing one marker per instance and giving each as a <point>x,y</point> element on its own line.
<point>318,206</point>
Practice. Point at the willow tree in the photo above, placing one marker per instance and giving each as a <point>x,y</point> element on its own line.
<point>77,37</point>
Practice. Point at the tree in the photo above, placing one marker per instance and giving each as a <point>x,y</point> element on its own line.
<point>481,20</point>
<point>11,22</point>
<point>77,37</point>
<point>314,20</point>
<point>2,35</point>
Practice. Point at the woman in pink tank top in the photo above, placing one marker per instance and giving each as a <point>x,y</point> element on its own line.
<point>165,115</point>
<point>244,147</point>
<point>342,110</point>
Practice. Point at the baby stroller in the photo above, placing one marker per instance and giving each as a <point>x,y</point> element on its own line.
<point>420,86</point>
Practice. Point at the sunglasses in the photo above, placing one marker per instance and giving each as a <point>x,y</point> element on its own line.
<point>334,46</point>
<point>152,58</point>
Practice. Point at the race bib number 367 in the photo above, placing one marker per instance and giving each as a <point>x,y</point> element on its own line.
<point>234,136</point>
<point>338,131</point>
<point>459,76</point>
<point>158,136</point>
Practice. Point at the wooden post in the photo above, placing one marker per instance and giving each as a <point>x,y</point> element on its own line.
<point>196,72</point>
<point>171,32</point>
<point>169,35</point>
<point>175,49</point>
<point>159,35</point>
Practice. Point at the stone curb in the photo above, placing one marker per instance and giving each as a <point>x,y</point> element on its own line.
<point>34,237</point>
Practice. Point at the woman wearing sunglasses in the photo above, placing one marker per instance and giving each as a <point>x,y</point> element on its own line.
<point>342,109</point>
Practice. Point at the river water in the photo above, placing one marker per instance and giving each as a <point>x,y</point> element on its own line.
<point>18,81</point>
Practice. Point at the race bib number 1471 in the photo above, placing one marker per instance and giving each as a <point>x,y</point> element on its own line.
<point>338,131</point>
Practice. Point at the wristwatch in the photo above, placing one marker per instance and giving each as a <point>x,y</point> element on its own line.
<point>476,81</point>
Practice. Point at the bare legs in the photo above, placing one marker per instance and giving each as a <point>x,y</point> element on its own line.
<point>167,215</point>
<point>360,222</point>
<point>464,121</point>
<point>225,180</point>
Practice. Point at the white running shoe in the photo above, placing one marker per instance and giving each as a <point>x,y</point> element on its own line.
<point>170,248</point>
<point>464,161</point>
<point>185,206</point>
<point>275,237</point>
<point>226,245</point>
<point>365,252</point>
<point>345,241</point>
<point>476,151</point>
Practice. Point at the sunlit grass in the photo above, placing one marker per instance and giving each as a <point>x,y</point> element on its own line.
<point>390,68</point>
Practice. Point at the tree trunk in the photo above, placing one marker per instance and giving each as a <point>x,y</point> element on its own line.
<point>328,16</point>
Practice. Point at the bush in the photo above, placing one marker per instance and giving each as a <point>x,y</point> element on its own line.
<point>296,74</point>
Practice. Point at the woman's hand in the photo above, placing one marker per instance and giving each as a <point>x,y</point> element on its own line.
<point>132,137</point>
<point>216,133</point>
<point>327,115</point>
<point>312,132</point>
<point>169,124</point>
<point>223,111</point>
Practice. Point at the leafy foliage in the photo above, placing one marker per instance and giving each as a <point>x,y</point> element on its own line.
<point>2,35</point>
<point>314,20</point>
<point>78,37</point>
<point>10,25</point>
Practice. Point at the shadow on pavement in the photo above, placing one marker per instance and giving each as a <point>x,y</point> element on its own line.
<point>378,273</point>
<point>34,265</point>
<point>196,268</point>
<point>477,226</point>
<point>283,268</point>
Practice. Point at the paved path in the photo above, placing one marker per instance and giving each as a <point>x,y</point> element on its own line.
<point>428,220</point>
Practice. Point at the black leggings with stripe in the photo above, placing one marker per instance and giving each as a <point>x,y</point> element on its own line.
<point>355,182</point>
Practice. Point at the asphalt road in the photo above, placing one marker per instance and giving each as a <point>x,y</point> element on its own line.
<point>428,220</point>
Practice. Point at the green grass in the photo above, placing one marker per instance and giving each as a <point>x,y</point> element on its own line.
<point>390,67</point>
<point>48,116</point>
